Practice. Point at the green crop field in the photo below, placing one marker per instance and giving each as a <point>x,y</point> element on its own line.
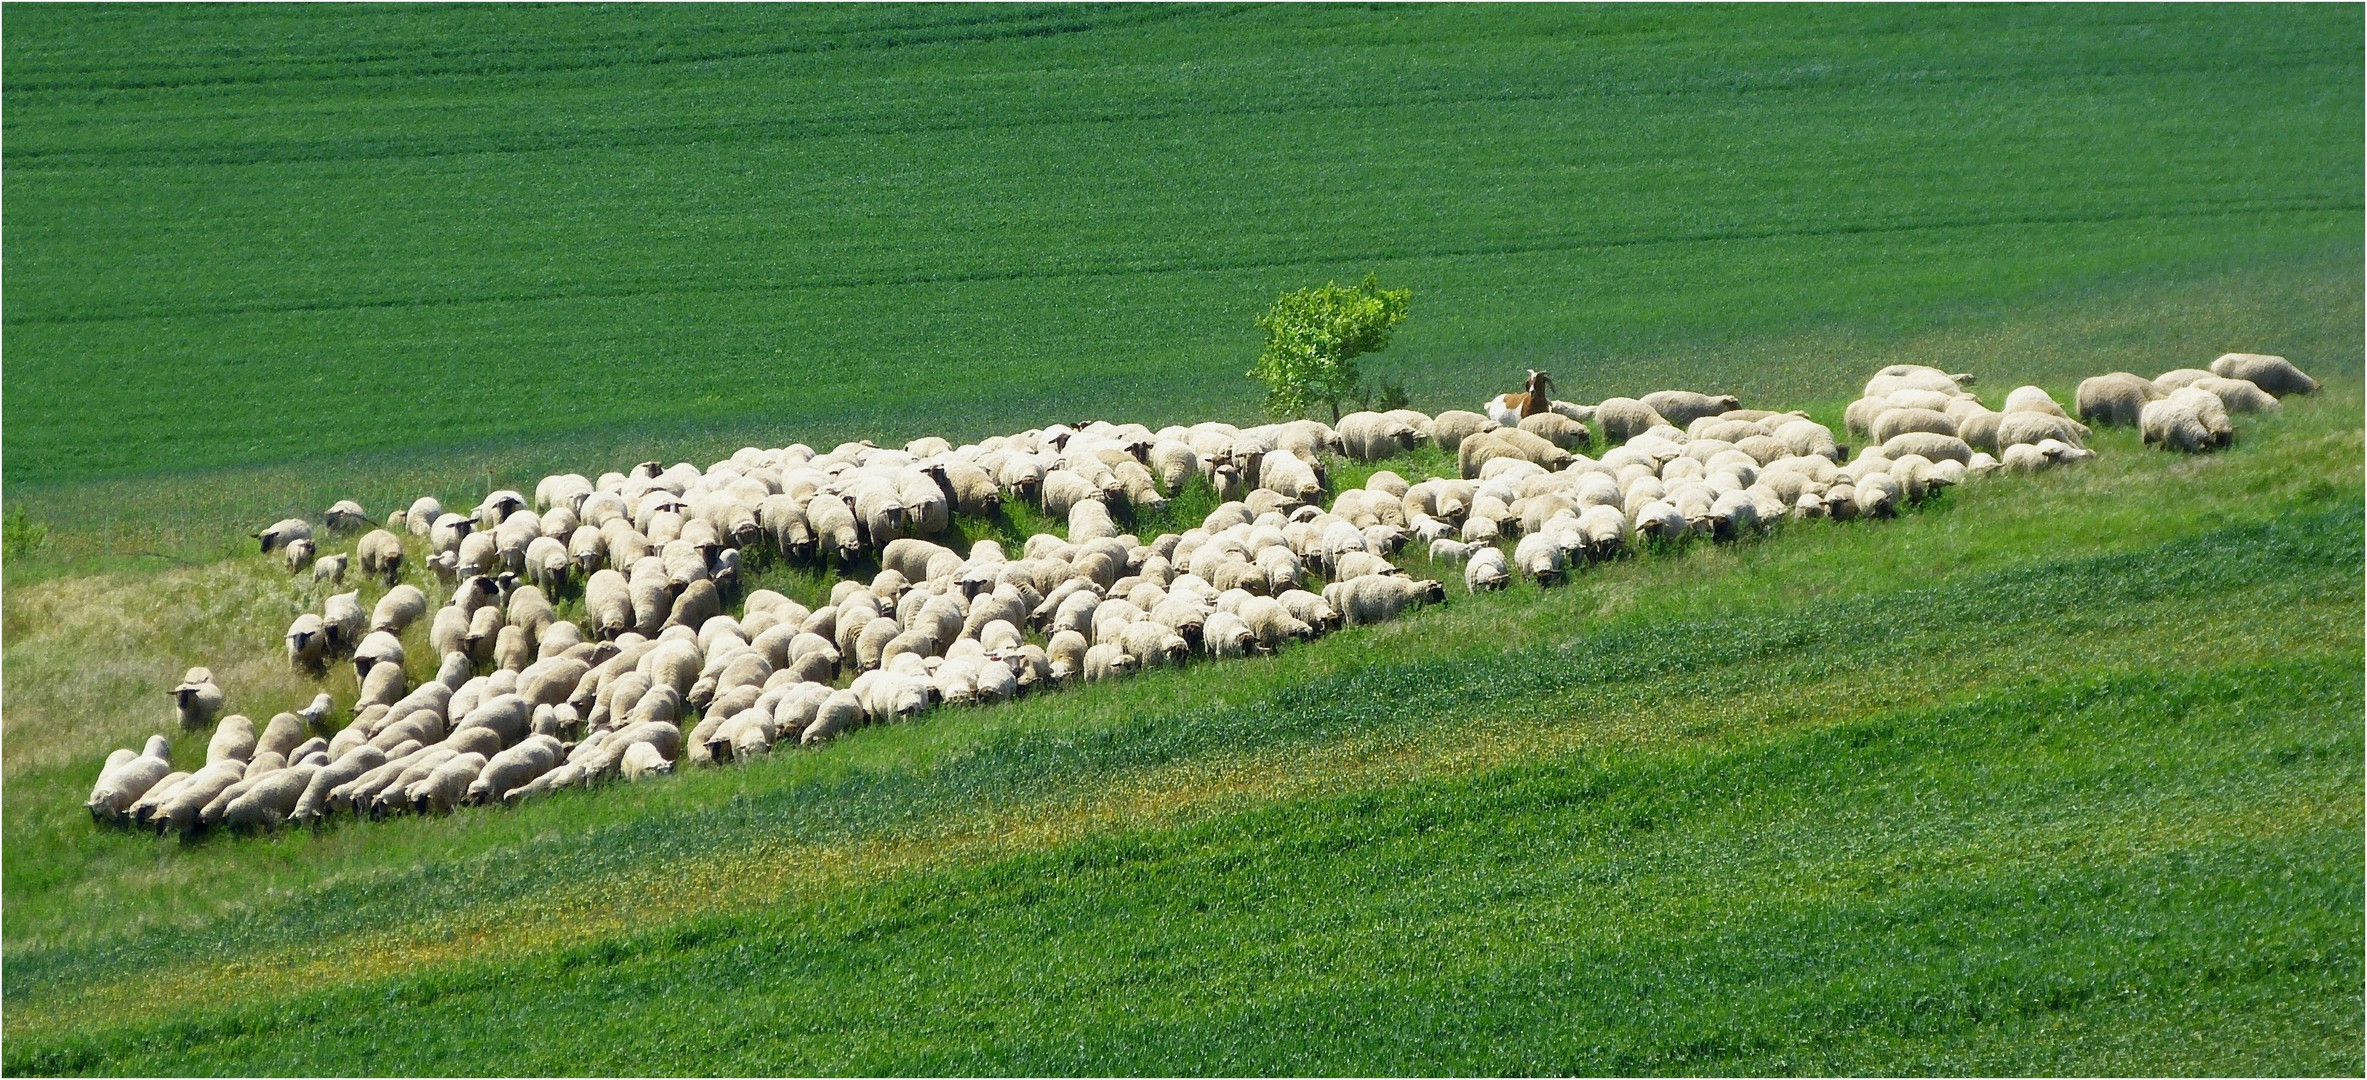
<point>2057,773</point>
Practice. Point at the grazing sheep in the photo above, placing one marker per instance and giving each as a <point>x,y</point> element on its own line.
<point>346,515</point>
<point>307,645</point>
<point>2274,374</point>
<point>2238,395</point>
<point>381,554</point>
<point>269,800</point>
<point>398,609</point>
<point>1108,661</point>
<point>2179,379</point>
<point>1272,622</point>
<point>233,740</point>
<point>1625,418</point>
<point>2033,399</point>
<point>1540,558</point>
<point>1453,426</point>
<point>283,533</point>
<point>1895,422</point>
<point>299,554</point>
<point>330,569</point>
<point>842,711</point>
<point>343,623</point>
<point>1682,407</point>
<point>1372,436</point>
<point>2116,399</point>
<point>608,604</point>
<point>1933,447</point>
<point>1486,571</point>
<point>2190,419</point>
<point>127,778</point>
<point>197,699</point>
<point>2031,427</point>
<point>1366,601</point>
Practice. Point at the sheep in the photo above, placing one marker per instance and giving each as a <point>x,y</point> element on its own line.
<point>2033,399</point>
<point>330,569</point>
<point>314,803</point>
<point>841,712</point>
<point>2190,419</point>
<point>307,645</point>
<point>381,554</point>
<point>1451,427</point>
<point>1285,474</point>
<point>143,810</point>
<point>548,562</point>
<point>1272,622</point>
<point>1934,447</point>
<point>342,623</point>
<point>1625,418</point>
<point>1108,661</point>
<point>2178,379</point>
<point>2115,399</point>
<point>268,800</point>
<point>2274,374</point>
<point>1899,421</point>
<point>384,685</point>
<point>197,699</point>
<point>1682,407</point>
<point>127,778</point>
<point>298,554</point>
<point>2238,395</point>
<point>1486,571</point>
<point>1538,557</point>
<point>1369,600</point>
<point>608,604</point>
<point>1152,644</point>
<point>1372,436</point>
<point>233,739</point>
<point>2032,427</point>
<point>837,534</point>
<point>283,533</point>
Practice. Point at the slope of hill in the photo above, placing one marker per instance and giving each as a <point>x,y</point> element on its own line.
<point>2059,773</point>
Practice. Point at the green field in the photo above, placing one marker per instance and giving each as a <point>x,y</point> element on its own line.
<point>2057,774</point>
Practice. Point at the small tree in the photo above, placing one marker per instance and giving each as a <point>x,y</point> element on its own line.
<point>1313,337</point>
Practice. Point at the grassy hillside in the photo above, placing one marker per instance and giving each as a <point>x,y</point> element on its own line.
<point>264,257</point>
<point>2060,773</point>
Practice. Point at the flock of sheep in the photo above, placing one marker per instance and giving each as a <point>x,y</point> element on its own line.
<point>524,702</point>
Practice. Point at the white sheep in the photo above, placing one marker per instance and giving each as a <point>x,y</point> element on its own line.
<point>2274,374</point>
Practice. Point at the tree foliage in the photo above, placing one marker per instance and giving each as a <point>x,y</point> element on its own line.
<point>1313,337</point>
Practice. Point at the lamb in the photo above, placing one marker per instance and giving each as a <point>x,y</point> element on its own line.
<point>1486,571</point>
<point>1682,407</point>
<point>298,554</point>
<point>330,569</point>
<point>2191,419</point>
<point>2274,374</point>
<point>2115,399</point>
<point>1625,418</point>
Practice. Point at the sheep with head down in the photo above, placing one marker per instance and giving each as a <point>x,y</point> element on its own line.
<point>2115,399</point>
<point>2274,374</point>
